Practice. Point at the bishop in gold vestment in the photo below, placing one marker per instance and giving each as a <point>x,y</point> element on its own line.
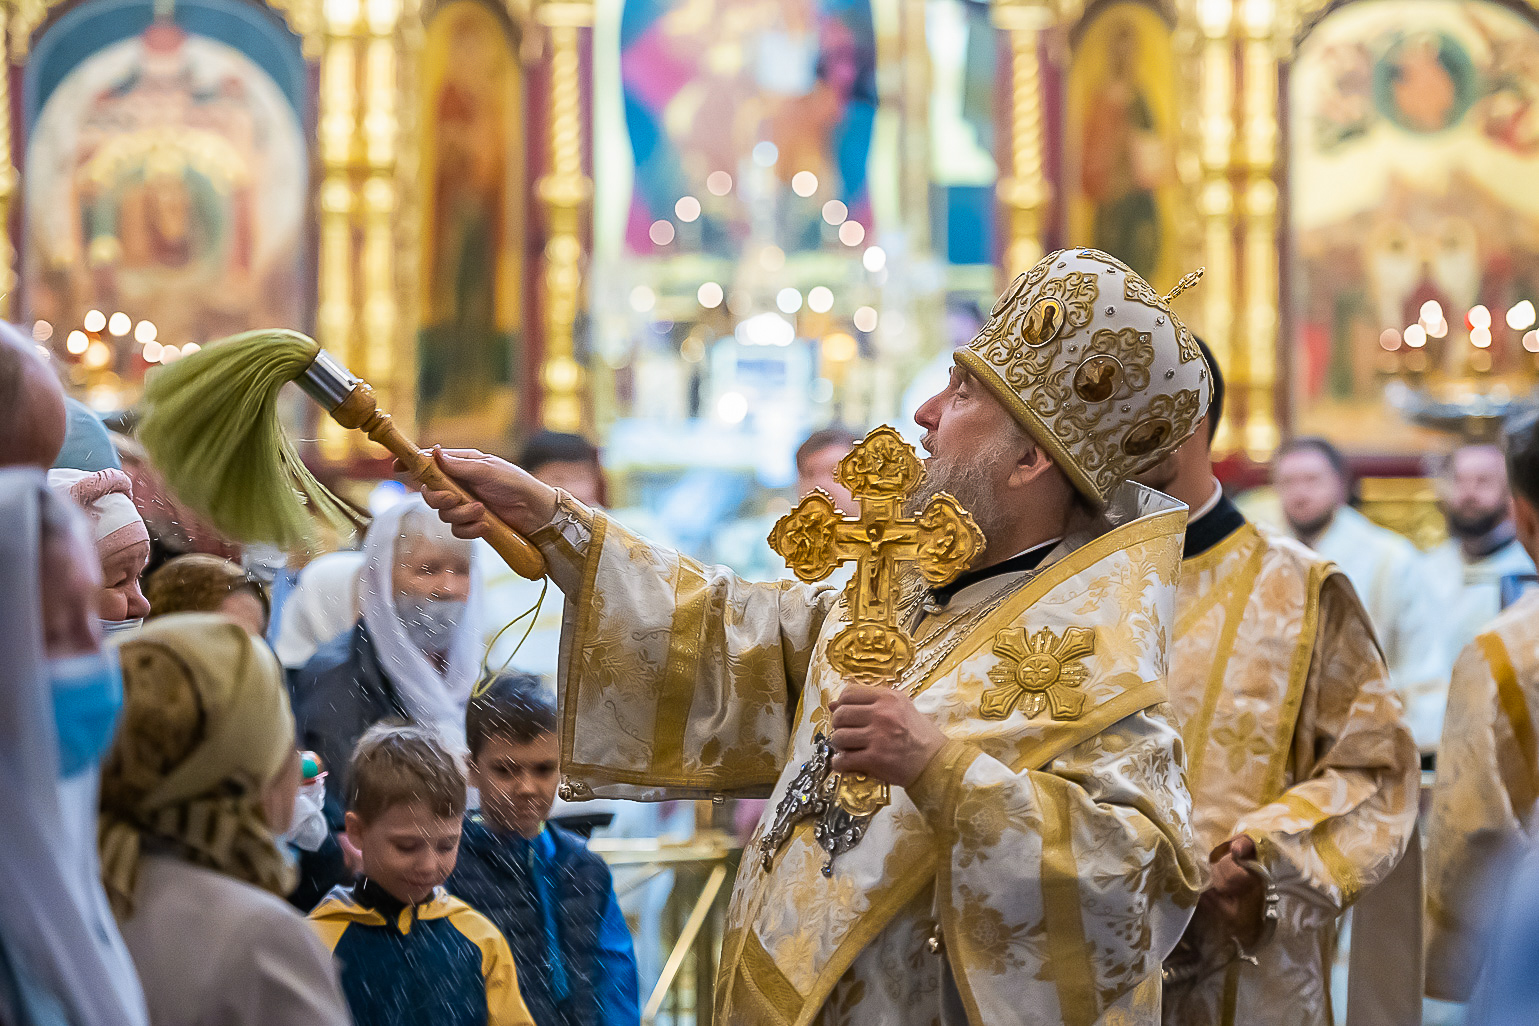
<point>1483,803</point>
<point>1294,739</point>
<point>1041,865</point>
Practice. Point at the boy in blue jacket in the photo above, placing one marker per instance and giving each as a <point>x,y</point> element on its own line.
<point>551,897</point>
<point>407,952</point>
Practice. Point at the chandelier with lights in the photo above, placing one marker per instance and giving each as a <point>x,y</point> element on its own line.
<point>1466,378</point>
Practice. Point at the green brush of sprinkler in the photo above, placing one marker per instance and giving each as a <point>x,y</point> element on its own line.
<point>211,425</point>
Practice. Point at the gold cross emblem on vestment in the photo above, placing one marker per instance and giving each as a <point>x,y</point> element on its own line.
<point>882,472</point>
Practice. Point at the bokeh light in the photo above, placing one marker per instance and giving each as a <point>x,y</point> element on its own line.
<point>1522,316</point>
<point>732,407</point>
<point>839,347</point>
<point>687,209</point>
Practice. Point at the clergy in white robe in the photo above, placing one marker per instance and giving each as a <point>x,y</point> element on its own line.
<point>1388,573</point>
<point>1483,803</point>
<point>1297,756</point>
<point>1034,863</point>
<point>1481,559</point>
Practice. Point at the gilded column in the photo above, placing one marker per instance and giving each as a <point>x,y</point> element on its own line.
<point>1259,296</point>
<point>382,332</point>
<point>1216,196</point>
<point>1024,191</point>
<point>23,18</point>
<point>336,327</point>
<point>7,183</point>
<point>565,191</point>
<point>914,66</point>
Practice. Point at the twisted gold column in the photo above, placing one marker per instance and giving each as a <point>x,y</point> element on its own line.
<point>1024,192</point>
<point>565,192</point>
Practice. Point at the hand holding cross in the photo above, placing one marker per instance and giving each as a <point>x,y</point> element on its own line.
<point>882,472</point>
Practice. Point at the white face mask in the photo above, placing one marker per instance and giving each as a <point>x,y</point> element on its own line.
<point>307,830</point>
<point>429,623</point>
<point>120,626</point>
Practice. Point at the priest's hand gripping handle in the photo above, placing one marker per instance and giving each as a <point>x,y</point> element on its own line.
<point>361,410</point>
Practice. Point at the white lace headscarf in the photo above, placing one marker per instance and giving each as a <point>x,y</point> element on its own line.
<point>55,924</point>
<point>433,699</point>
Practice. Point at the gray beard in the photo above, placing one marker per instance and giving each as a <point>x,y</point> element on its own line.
<point>966,479</point>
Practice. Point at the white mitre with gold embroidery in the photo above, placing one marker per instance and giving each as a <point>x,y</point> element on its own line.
<point>1092,362</point>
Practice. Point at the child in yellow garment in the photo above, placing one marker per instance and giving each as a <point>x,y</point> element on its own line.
<point>408,952</point>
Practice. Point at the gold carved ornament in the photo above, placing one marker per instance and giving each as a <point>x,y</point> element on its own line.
<point>815,538</point>
<point>1042,670</point>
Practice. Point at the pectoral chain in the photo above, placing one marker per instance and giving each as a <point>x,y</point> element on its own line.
<point>812,793</point>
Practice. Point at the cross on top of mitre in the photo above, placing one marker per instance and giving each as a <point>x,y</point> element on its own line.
<point>882,472</point>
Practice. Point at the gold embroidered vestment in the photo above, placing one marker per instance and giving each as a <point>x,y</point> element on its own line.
<point>1483,803</point>
<point>1046,849</point>
<point>1294,737</point>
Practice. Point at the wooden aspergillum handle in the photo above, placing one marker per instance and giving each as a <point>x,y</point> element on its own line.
<point>360,410</point>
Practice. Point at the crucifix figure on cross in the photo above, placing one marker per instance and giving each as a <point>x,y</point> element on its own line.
<point>881,472</point>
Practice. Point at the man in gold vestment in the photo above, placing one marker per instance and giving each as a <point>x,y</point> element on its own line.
<point>1297,755</point>
<point>1483,803</point>
<point>1032,862</point>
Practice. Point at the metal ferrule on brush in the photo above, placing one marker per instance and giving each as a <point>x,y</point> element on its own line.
<point>327,381</point>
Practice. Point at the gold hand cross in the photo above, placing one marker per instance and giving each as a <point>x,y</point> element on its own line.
<point>882,472</point>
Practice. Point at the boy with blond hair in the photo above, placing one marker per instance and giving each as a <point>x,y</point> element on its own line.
<point>407,951</point>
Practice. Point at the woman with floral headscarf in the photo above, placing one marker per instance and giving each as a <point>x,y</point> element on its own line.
<point>198,784</point>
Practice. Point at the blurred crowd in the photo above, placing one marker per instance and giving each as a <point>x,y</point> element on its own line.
<point>204,744</point>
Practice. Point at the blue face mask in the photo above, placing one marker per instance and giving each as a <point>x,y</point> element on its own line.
<point>87,697</point>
